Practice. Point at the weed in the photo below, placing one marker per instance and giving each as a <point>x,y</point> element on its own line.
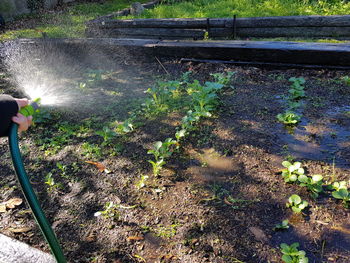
<point>297,205</point>
<point>291,254</point>
<point>167,232</point>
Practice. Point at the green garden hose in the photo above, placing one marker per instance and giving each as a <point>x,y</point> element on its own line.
<point>31,197</point>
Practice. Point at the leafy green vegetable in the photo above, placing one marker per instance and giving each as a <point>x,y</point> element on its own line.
<point>292,172</point>
<point>296,203</point>
<point>288,118</point>
<point>291,254</point>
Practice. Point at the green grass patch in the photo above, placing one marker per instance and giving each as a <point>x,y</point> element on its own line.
<point>70,23</point>
<point>247,8</point>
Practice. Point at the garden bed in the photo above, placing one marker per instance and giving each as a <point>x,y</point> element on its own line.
<point>217,199</point>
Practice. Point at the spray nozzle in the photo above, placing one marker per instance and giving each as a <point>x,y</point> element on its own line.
<point>30,109</point>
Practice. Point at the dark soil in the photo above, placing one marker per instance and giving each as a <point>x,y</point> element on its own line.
<point>217,200</point>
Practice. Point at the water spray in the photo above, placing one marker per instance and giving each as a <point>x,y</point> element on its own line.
<point>28,191</point>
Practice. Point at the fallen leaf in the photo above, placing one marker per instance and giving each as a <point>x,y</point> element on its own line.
<point>101,167</point>
<point>2,208</point>
<point>135,238</point>
<point>13,202</point>
<point>20,229</point>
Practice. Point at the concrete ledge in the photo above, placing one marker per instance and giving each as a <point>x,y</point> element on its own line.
<point>14,251</point>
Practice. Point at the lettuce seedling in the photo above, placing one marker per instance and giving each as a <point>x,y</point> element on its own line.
<point>292,172</point>
<point>338,185</point>
<point>313,184</point>
<point>297,88</point>
<point>291,254</point>
<point>282,226</point>
<point>288,118</point>
<point>161,151</point>
<point>342,194</point>
<point>296,203</point>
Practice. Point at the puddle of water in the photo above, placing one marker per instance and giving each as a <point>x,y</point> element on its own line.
<point>214,167</point>
<point>325,140</point>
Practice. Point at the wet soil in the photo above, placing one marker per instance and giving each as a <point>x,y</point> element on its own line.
<point>217,200</point>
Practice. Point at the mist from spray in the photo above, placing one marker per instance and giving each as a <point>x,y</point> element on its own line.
<point>53,70</point>
<point>38,76</point>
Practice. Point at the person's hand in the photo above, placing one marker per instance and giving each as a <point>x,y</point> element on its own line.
<point>23,121</point>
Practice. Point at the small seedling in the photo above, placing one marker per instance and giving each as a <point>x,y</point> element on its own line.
<point>223,78</point>
<point>50,181</point>
<point>292,172</point>
<point>142,183</point>
<point>296,203</point>
<point>180,134</point>
<point>338,185</point>
<point>161,151</point>
<point>110,211</point>
<point>107,134</point>
<point>344,195</point>
<point>125,127</point>
<point>291,254</point>
<point>297,88</point>
<point>313,184</point>
<point>288,118</point>
<point>282,226</point>
<point>346,80</point>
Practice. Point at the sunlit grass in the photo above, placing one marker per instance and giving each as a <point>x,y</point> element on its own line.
<point>248,8</point>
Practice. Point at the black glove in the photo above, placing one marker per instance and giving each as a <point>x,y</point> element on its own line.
<point>8,109</point>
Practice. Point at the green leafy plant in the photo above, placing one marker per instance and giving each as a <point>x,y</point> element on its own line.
<point>91,150</point>
<point>291,254</point>
<point>344,195</point>
<point>107,134</point>
<point>205,97</point>
<point>161,151</point>
<point>142,182</point>
<point>297,205</point>
<point>313,184</point>
<point>223,78</point>
<point>346,80</point>
<point>112,210</point>
<point>292,172</point>
<point>50,181</point>
<point>288,118</point>
<point>282,226</point>
<point>338,185</point>
<point>297,88</point>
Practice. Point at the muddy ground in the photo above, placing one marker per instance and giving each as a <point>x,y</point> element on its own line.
<point>217,200</point>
